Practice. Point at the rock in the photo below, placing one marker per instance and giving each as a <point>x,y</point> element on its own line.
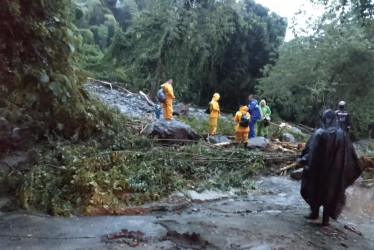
<point>218,139</point>
<point>286,137</point>
<point>170,129</point>
<point>258,142</point>
<point>180,109</point>
<point>16,135</point>
<point>33,156</point>
<point>4,128</point>
<point>296,130</point>
<point>5,135</point>
<point>297,174</point>
<point>135,105</point>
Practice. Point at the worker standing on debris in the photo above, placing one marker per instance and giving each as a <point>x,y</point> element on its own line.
<point>214,114</point>
<point>330,166</point>
<point>242,119</point>
<point>263,124</point>
<point>343,117</point>
<point>157,110</point>
<point>255,112</point>
<point>168,104</point>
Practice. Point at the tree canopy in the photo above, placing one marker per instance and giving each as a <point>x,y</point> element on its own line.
<point>314,73</point>
<point>205,46</point>
<point>231,47</point>
<point>39,75</point>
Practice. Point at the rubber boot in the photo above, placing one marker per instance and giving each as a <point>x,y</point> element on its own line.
<point>314,214</point>
<point>245,144</point>
<point>325,218</point>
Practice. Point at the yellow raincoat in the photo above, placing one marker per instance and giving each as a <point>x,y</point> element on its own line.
<point>241,133</point>
<point>214,114</point>
<point>168,104</point>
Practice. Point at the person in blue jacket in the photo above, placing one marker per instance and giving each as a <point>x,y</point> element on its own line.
<point>255,112</point>
<point>157,110</point>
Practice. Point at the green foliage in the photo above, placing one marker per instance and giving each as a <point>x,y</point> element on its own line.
<point>277,132</point>
<point>371,146</point>
<point>35,57</point>
<point>201,126</point>
<point>363,9</point>
<point>96,17</point>
<point>77,178</point>
<point>40,80</point>
<point>87,35</point>
<point>315,73</point>
<point>204,47</point>
<point>226,125</point>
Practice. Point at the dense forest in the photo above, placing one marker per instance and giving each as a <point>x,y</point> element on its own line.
<point>89,157</point>
<point>231,47</point>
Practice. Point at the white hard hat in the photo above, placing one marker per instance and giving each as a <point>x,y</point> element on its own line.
<point>341,103</point>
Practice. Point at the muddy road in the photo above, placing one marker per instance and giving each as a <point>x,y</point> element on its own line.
<point>269,217</point>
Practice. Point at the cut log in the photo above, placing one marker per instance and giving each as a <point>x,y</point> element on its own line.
<point>147,99</point>
<point>291,166</point>
<point>111,85</point>
<point>367,162</point>
<point>222,144</point>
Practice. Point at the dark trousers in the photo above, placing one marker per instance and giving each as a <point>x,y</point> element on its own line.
<point>252,128</point>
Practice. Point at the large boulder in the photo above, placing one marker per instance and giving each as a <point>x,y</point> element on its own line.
<point>258,142</point>
<point>218,139</point>
<point>286,137</point>
<point>170,129</point>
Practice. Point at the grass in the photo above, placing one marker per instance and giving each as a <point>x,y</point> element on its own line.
<point>226,126</point>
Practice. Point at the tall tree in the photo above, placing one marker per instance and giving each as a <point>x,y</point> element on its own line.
<point>205,46</point>
<point>314,73</point>
<point>40,83</point>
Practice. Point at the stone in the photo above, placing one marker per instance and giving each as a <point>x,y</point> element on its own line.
<point>286,137</point>
<point>4,128</point>
<point>258,142</point>
<point>170,129</point>
<point>218,139</point>
<point>297,174</point>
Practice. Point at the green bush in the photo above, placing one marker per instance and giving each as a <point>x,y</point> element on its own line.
<point>201,126</point>
<point>77,178</point>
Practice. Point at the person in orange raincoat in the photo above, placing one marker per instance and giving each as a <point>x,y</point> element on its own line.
<point>168,104</point>
<point>241,132</point>
<point>214,114</point>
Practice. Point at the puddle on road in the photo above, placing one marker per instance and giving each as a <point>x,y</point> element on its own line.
<point>280,193</point>
<point>186,240</point>
<point>360,203</point>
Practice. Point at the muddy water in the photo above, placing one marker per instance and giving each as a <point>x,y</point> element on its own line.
<point>360,203</point>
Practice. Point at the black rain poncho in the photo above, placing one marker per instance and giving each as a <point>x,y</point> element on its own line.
<point>330,166</point>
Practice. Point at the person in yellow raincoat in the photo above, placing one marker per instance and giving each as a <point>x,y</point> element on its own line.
<point>241,132</point>
<point>168,104</point>
<point>214,114</point>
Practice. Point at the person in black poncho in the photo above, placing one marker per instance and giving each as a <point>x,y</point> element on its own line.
<point>330,165</point>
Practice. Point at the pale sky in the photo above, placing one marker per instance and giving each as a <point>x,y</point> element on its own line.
<point>288,8</point>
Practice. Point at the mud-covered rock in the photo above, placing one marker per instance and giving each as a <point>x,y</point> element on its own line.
<point>170,129</point>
